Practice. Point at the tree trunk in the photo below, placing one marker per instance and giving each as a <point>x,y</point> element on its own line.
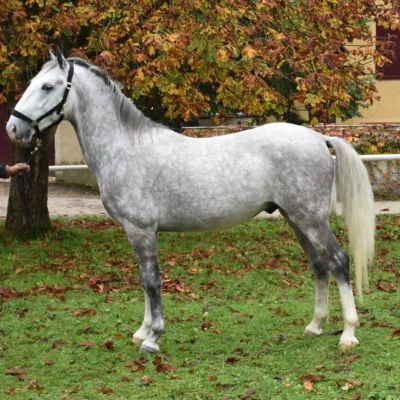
<point>35,189</point>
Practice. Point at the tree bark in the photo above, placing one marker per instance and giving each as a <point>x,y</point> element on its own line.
<point>35,189</point>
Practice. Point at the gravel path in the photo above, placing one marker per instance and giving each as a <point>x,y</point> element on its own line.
<point>63,201</point>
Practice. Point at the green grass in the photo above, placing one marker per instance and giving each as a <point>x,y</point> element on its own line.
<point>236,304</point>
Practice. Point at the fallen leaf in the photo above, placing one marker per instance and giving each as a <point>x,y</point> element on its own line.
<point>33,385</point>
<point>355,383</point>
<point>136,365</point>
<point>109,345</point>
<point>250,393</point>
<point>312,378</point>
<point>308,385</point>
<point>86,344</point>
<point>385,209</point>
<point>231,360</point>
<point>351,359</point>
<point>83,312</point>
<point>48,362</point>
<point>386,287</point>
<point>58,343</point>
<point>189,363</point>
<point>206,325</point>
<point>347,386</point>
<point>86,329</point>
<point>165,368</point>
<point>172,261</point>
<point>126,379</point>
<point>105,390</point>
<point>145,380</point>
<point>10,392</point>
<point>14,371</point>
<point>75,390</point>
<point>396,332</point>
<point>381,324</point>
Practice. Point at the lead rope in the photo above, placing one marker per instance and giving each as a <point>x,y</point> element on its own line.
<point>24,183</point>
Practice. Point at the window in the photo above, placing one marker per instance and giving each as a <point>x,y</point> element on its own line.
<point>390,71</point>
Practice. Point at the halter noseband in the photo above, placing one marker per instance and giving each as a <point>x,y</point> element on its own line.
<point>59,108</point>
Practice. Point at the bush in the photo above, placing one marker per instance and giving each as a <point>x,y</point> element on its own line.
<point>367,139</point>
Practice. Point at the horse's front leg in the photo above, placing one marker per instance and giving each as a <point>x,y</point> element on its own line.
<point>144,244</point>
<point>141,335</point>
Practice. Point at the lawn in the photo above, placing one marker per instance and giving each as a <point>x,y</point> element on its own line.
<point>236,304</point>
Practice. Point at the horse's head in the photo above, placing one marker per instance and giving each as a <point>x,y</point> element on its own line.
<point>43,104</point>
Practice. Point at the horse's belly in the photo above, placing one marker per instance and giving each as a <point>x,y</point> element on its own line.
<point>207,221</point>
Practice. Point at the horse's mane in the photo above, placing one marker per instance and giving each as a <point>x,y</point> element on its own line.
<point>132,118</point>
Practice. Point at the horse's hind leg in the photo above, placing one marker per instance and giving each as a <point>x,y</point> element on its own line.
<point>321,273</point>
<point>326,255</point>
<point>144,244</point>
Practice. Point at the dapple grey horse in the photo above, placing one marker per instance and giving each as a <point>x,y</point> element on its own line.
<point>152,179</point>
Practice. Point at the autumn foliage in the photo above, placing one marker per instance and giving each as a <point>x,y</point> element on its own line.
<point>180,59</point>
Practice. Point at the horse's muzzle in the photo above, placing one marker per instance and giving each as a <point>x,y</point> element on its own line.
<point>18,132</point>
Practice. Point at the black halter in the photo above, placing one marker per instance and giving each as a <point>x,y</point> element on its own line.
<point>59,108</point>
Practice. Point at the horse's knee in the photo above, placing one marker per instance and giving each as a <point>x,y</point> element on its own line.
<point>152,287</point>
<point>150,279</point>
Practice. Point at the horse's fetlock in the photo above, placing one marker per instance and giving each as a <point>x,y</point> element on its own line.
<point>158,328</point>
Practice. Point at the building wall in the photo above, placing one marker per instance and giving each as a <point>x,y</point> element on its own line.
<point>68,152</point>
<point>387,110</point>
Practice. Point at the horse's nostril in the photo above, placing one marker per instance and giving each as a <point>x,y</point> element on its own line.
<point>13,130</point>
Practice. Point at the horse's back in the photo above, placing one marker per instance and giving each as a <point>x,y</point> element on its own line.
<point>224,180</point>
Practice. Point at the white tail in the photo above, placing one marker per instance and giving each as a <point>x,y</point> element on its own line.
<point>355,193</point>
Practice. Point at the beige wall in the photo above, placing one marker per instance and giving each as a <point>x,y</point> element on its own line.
<point>387,110</point>
<point>68,150</point>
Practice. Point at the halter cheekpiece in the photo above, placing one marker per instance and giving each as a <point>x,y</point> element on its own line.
<point>59,109</point>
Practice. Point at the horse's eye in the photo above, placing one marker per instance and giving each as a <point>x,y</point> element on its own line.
<point>47,87</point>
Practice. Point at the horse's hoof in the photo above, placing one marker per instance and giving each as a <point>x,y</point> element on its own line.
<point>312,331</point>
<point>149,347</point>
<point>348,343</point>
<point>137,340</point>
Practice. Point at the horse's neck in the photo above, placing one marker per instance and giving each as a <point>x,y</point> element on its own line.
<point>101,133</point>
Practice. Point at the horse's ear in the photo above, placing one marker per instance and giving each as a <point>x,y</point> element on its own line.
<point>50,55</point>
<point>62,62</point>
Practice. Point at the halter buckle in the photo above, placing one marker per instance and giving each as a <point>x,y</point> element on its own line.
<point>63,107</point>
<point>34,124</point>
<point>68,86</point>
